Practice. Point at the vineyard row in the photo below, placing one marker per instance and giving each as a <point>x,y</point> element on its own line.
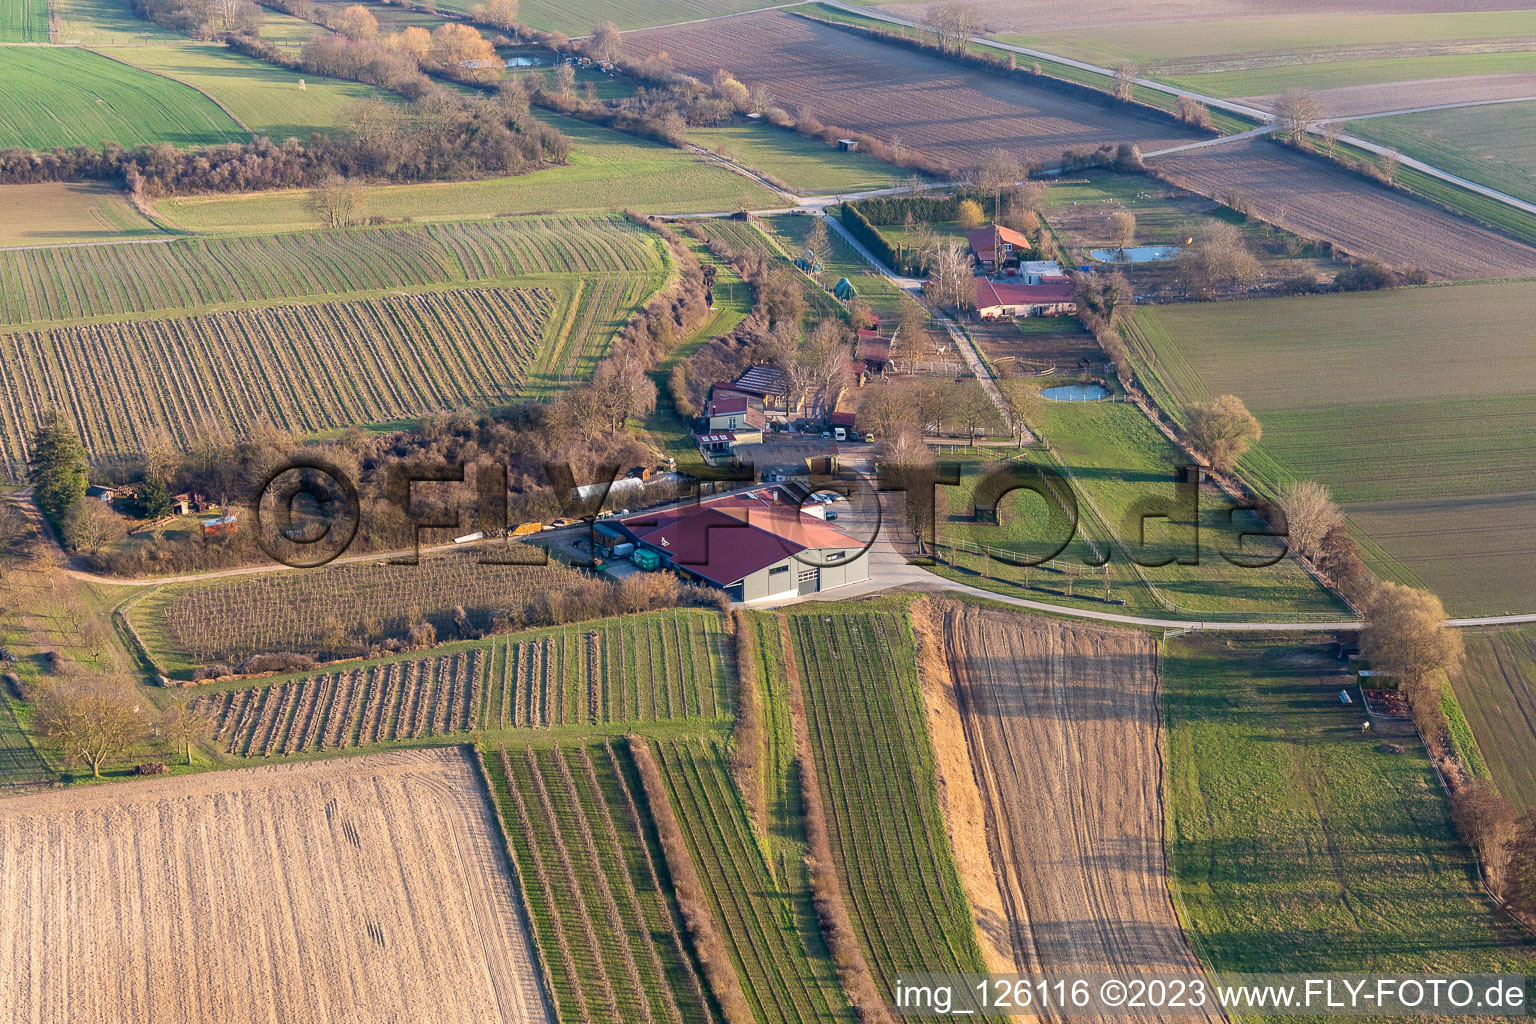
<point>304,368</point>
<point>70,282</point>
<point>337,710</point>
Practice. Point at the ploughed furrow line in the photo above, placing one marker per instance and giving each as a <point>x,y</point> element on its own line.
<point>305,368</point>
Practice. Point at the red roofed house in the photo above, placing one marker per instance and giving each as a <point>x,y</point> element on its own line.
<point>997,300</point>
<point>995,242</point>
<point>738,413</point>
<point>754,545</point>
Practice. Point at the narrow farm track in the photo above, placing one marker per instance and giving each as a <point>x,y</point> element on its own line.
<point>1063,726</point>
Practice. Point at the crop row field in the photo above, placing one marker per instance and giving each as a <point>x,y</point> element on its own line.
<point>1414,410</point>
<point>651,667</point>
<point>1295,842</point>
<point>595,879</point>
<point>305,368</point>
<point>1496,689</point>
<point>62,283</point>
<point>597,309</point>
<point>336,611</point>
<point>875,766</point>
<point>401,700</point>
<point>24,21</point>
<point>70,212</point>
<point>950,112</point>
<point>1063,724</point>
<point>371,890</point>
<point>62,96</point>
<point>658,666</point>
<point>779,978</point>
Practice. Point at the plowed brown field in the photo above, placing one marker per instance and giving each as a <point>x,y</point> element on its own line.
<point>1063,725</point>
<point>944,110</point>
<point>363,890</point>
<point>1312,198</point>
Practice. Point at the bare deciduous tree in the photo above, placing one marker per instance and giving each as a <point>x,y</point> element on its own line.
<point>606,42</point>
<point>1310,514</point>
<point>952,277</point>
<point>953,23</point>
<point>92,721</point>
<point>1125,80</point>
<point>91,525</point>
<point>1390,161</point>
<point>1222,430</point>
<point>1299,111</point>
<point>184,725</point>
<point>357,22</point>
<point>1194,113</point>
<point>1122,229</point>
<point>335,202</point>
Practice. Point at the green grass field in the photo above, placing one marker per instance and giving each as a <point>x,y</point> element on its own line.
<point>1414,410</point>
<point>1295,843</point>
<point>267,99</point>
<point>806,166</point>
<point>23,21</point>
<point>104,22</point>
<point>1497,692</point>
<point>657,179</point>
<point>874,760</point>
<point>67,97</point>
<point>1493,145</point>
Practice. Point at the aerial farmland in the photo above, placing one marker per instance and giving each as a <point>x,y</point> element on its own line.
<point>726,512</point>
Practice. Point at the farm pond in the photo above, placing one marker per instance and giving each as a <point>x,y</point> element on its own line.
<point>1086,392</point>
<point>1136,254</point>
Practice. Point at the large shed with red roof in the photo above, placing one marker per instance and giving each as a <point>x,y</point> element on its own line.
<point>996,300</point>
<point>755,545</point>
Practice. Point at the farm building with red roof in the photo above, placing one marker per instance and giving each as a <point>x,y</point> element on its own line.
<point>996,300</point>
<point>756,545</point>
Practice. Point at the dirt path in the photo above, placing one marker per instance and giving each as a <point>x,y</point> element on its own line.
<point>1063,723</point>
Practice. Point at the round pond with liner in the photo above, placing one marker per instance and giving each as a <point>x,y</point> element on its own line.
<point>1136,254</point>
<point>1087,392</point>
